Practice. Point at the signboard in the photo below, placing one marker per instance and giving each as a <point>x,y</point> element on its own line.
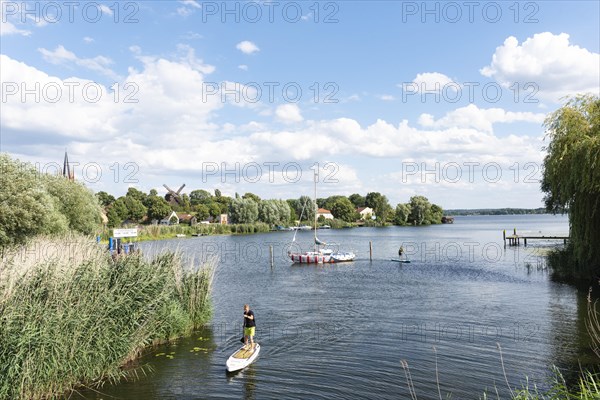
<point>124,233</point>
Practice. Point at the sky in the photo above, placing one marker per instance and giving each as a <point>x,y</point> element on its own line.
<point>441,99</point>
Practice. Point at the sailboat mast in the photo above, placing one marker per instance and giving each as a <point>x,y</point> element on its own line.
<point>316,209</point>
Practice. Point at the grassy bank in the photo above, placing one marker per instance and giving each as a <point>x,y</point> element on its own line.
<point>159,232</point>
<point>72,316</point>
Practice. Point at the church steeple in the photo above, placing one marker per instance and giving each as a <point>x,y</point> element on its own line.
<point>67,173</point>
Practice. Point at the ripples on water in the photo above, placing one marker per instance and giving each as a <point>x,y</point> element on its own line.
<point>340,331</point>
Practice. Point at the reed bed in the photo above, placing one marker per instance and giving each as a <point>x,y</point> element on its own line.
<point>71,315</point>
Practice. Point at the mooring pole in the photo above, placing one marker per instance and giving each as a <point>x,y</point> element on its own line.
<point>504,237</point>
<point>370,250</point>
<point>271,254</point>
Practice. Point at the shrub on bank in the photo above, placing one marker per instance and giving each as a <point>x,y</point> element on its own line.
<point>72,315</point>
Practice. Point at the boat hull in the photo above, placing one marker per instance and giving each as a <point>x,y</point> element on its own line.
<point>310,258</point>
<point>240,360</point>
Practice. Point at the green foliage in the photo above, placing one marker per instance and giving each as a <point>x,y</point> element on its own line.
<point>67,323</point>
<point>114,220</point>
<point>119,208</point>
<point>422,212</point>
<point>201,211</point>
<point>77,203</point>
<point>358,200</point>
<point>135,209</point>
<point>306,207</point>
<point>380,205</point>
<point>343,209</point>
<point>215,209</point>
<point>105,199</point>
<point>587,388</point>
<point>252,196</point>
<point>200,197</point>
<point>401,214</point>
<point>330,201</point>
<point>274,212</point>
<point>32,204</point>
<point>136,194</point>
<point>571,178</point>
<point>243,211</point>
<point>158,208</point>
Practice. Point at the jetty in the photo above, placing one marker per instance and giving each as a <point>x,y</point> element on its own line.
<point>515,239</point>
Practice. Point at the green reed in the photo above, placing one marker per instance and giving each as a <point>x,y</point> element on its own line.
<point>76,319</point>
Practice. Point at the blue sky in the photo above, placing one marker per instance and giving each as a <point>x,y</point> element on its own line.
<point>377,129</point>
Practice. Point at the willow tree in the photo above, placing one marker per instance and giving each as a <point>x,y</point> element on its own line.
<point>571,178</point>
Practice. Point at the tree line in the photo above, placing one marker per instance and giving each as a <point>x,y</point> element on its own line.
<point>137,206</point>
<point>33,204</point>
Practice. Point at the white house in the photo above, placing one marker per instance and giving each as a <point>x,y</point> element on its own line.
<point>171,219</point>
<point>365,212</point>
<point>325,213</point>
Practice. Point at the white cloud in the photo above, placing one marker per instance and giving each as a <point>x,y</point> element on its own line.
<point>62,56</point>
<point>188,55</point>
<point>549,61</point>
<point>88,39</point>
<point>105,10</point>
<point>481,119</point>
<point>243,67</point>
<point>429,82</point>
<point>192,3</point>
<point>354,97</point>
<point>189,7</point>
<point>247,47</point>
<point>8,28</point>
<point>172,130</point>
<point>191,35</point>
<point>387,97</point>
<point>289,113</point>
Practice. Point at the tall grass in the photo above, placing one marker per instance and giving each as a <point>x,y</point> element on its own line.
<point>158,232</point>
<point>74,316</point>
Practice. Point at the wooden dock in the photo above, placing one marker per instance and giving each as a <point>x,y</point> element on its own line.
<point>515,239</point>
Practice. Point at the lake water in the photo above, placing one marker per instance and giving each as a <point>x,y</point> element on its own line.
<point>341,330</point>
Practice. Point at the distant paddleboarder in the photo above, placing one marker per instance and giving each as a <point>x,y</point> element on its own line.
<point>400,252</point>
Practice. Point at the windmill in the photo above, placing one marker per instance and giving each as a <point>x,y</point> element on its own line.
<point>174,197</point>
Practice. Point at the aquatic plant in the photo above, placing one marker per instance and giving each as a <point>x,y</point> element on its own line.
<point>75,316</point>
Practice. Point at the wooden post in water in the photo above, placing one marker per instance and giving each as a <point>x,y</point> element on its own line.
<point>370,250</point>
<point>504,237</point>
<point>272,258</point>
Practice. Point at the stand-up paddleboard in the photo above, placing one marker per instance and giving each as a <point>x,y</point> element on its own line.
<point>242,358</point>
<point>400,261</point>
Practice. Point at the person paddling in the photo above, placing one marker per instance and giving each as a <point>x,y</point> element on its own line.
<point>400,252</point>
<point>249,327</point>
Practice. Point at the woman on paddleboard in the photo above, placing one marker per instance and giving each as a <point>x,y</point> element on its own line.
<point>249,327</point>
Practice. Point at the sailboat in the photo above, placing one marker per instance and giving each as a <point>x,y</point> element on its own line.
<point>318,255</point>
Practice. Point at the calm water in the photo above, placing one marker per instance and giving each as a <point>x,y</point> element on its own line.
<point>341,331</point>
